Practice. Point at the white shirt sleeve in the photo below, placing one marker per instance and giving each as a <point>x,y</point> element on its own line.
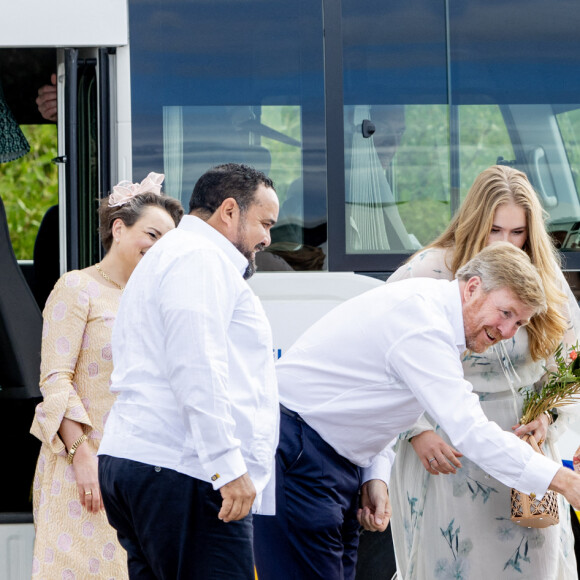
<point>197,303</point>
<point>381,466</point>
<point>428,264</point>
<point>429,364</point>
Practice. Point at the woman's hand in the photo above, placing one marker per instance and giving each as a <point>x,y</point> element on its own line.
<point>538,428</point>
<point>435,455</point>
<point>87,476</point>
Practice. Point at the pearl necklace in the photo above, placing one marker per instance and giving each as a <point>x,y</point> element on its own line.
<point>107,277</point>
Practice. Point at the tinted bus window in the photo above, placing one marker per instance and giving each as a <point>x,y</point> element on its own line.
<point>236,81</point>
<point>449,89</point>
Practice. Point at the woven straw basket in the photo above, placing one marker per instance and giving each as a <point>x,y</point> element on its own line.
<point>530,512</point>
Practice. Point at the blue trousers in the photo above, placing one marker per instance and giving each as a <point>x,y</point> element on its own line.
<point>314,534</point>
<point>167,522</point>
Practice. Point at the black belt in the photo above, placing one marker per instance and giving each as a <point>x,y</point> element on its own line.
<point>290,413</point>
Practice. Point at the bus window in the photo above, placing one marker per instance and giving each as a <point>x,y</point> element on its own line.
<point>569,124</point>
<point>483,138</point>
<point>241,82</point>
<point>396,177</point>
<point>568,119</point>
<point>444,99</point>
<point>196,138</point>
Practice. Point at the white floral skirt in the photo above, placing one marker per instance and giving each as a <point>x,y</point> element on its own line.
<point>457,527</point>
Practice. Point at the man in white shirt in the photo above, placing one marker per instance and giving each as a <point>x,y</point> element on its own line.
<point>189,444</point>
<point>364,373</point>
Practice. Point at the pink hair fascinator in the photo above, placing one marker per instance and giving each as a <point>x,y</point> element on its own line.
<point>126,190</point>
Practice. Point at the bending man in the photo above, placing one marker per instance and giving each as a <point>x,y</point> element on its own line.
<point>364,373</point>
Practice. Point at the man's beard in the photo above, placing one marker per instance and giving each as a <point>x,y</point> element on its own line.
<point>251,269</point>
<point>250,255</point>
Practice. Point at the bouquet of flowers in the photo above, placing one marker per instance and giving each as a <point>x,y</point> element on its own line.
<point>561,388</point>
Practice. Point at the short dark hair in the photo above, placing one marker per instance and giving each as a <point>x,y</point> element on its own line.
<point>131,211</point>
<point>234,180</point>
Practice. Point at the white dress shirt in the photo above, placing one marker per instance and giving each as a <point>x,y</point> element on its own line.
<point>367,370</point>
<point>193,364</point>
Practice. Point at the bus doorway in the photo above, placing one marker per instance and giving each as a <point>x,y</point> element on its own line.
<point>51,174</point>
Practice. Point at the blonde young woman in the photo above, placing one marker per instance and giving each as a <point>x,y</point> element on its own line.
<point>73,538</point>
<point>450,519</point>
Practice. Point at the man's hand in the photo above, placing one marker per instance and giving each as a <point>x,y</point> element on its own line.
<point>435,455</point>
<point>238,496</point>
<point>375,511</point>
<point>567,482</point>
<point>47,101</point>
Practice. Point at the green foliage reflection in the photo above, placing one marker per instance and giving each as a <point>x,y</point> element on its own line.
<point>29,186</point>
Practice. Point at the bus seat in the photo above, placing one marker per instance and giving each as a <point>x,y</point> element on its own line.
<point>20,325</point>
<point>46,256</point>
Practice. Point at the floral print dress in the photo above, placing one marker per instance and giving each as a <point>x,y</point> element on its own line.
<point>457,527</point>
<point>70,543</point>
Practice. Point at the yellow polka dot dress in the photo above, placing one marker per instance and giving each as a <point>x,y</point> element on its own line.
<point>72,544</point>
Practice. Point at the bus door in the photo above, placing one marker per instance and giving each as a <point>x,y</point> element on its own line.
<point>48,194</point>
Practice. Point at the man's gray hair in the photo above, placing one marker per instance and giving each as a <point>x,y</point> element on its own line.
<point>503,265</point>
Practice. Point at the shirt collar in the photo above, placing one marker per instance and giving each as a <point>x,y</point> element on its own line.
<point>196,225</point>
<point>455,311</point>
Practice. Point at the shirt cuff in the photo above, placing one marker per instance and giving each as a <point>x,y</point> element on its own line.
<point>380,468</point>
<point>537,475</point>
<point>228,467</point>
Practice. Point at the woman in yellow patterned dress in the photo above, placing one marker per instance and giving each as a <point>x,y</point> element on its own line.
<point>73,538</point>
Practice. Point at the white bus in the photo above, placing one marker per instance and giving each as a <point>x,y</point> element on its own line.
<point>393,106</point>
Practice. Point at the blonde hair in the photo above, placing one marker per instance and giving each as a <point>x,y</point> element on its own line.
<point>468,234</point>
<point>503,265</point>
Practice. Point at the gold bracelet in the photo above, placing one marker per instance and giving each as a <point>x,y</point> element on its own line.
<point>550,417</point>
<point>74,447</point>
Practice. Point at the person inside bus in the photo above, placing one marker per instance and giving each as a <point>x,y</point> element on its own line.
<point>47,101</point>
<point>73,537</point>
<point>471,505</point>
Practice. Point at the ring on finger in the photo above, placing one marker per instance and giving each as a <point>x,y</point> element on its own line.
<point>541,441</point>
<point>432,459</point>
<point>88,492</point>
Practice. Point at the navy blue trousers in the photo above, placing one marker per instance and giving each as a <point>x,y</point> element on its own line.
<point>167,522</point>
<point>314,534</point>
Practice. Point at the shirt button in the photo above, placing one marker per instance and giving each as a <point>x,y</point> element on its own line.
<point>157,468</point>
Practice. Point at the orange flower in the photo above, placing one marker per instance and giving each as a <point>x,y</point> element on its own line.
<point>573,354</point>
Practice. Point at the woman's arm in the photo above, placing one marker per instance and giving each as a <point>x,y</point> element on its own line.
<point>61,418</point>
<point>84,463</point>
